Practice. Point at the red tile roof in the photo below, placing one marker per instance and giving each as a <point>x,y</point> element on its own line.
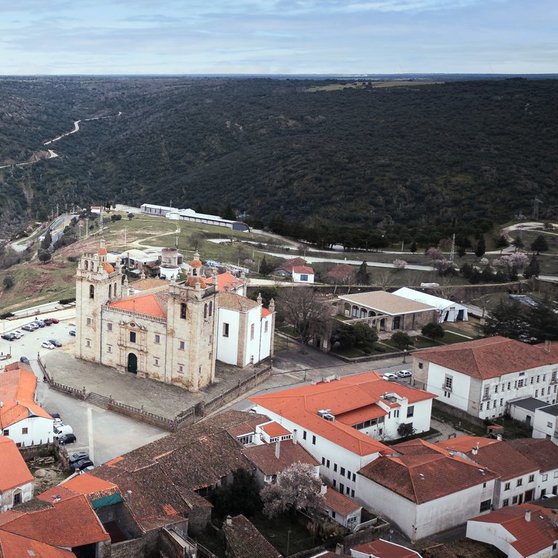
<point>151,303</point>
<point>303,269</point>
<point>265,312</point>
<point>68,522</point>
<point>17,393</point>
<point>503,459</point>
<point>543,452</point>
<point>273,429</point>
<point>289,264</point>
<point>531,536</point>
<point>13,469</point>
<point>16,546</point>
<point>490,357</point>
<point>340,503</point>
<point>385,549</point>
<point>465,444</point>
<point>264,457</point>
<point>422,472</point>
<point>349,394</point>
<point>108,268</point>
<point>225,281</point>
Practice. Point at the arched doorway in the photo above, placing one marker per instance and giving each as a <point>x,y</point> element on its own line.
<point>132,363</point>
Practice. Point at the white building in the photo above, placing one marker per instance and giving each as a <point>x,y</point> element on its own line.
<point>545,423</point>
<point>16,480</point>
<point>526,531</point>
<point>21,418</point>
<point>303,274</point>
<point>424,489</point>
<point>339,422</point>
<point>525,410</point>
<point>482,377</point>
<point>448,310</point>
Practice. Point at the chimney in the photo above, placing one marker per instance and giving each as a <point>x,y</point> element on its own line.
<point>475,450</point>
<point>339,549</point>
<point>277,449</point>
<point>294,436</point>
<point>499,437</point>
<point>527,515</point>
<point>547,344</point>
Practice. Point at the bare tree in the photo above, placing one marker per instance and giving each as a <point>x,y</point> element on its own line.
<point>302,308</point>
<point>297,488</point>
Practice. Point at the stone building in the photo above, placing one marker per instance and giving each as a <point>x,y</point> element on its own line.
<point>167,332</point>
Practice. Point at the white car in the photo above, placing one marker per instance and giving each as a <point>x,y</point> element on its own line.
<point>47,345</point>
<point>404,373</point>
<point>19,334</point>
<point>389,376</point>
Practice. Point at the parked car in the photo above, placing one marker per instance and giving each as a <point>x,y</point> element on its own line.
<point>30,327</point>
<point>9,336</point>
<point>66,439</point>
<point>81,464</point>
<point>55,342</point>
<point>389,376</point>
<point>62,429</point>
<point>24,359</point>
<point>47,345</point>
<point>40,323</point>
<point>49,321</point>
<point>72,332</point>
<point>404,373</point>
<point>19,334</point>
<point>77,456</point>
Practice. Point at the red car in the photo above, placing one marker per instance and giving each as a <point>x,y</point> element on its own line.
<point>50,321</point>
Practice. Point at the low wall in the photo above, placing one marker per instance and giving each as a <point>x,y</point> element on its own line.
<point>136,548</point>
<point>458,413</point>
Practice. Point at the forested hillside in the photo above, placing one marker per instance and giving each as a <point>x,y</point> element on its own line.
<point>454,155</point>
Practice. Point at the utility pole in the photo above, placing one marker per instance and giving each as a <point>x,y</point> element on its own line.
<point>536,204</point>
<point>452,251</point>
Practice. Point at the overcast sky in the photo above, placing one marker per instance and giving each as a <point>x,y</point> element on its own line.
<point>277,36</point>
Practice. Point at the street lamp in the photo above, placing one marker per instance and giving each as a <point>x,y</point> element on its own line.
<point>405,351</point>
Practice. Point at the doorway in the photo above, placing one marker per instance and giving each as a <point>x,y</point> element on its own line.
<point>132,363</point>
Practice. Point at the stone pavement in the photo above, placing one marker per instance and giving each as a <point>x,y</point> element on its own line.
<point>155,397</point>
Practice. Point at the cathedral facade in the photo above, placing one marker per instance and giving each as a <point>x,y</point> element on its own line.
<point>170,331</point>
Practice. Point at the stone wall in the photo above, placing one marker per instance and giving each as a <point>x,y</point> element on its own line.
<point>136,548</point>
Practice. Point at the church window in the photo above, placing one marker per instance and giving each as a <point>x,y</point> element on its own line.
<point>86,264</point>
<point>110,291</point>
<point>17,497</point>
<point>183,311</point>
<point>156,361</point>
<point>266,326</point>
<point>210,307</point>
<point>225,330</point>
<point>205,311</point>
<point>181,369</point>
<point>132,336</point>
<point>88,321</point>
<point>88,342</point>
<point>157,338</point>
<point>115,289</point>
<point>91,291</point>
<point>109,326</point>
<point>181,345</point>
<point>109,348</point>
<point>252,330</point>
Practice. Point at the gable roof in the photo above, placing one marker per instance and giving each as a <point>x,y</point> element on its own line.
<point>421,472</point>
<point>225,281</point>
<point>387,303</point>
<point>339,503</point>
<point>148,283</point>
<point>532,535</point>
<point>16,546</point>
<point>303,269</point>
<point>13,469</point>
<point>542,452</point>
<point>263,456</point>
<point>233,301</point>
<point>385,549</point>
<point>289,264</point>
<point>342,397</point>
<point>490,357</point>
<point>245,541</point>
<point>431,300</point>
<point>150,303</point>
<point>17,393</point>
<point>465,444</point>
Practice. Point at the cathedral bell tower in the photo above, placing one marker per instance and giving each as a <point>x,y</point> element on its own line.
<point>97,283</point>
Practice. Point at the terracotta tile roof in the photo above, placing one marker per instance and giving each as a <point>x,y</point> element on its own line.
<point>490,357</point>
<point>17,393</point>
<point>504,460</point>
<point>273,429</point>
<point>147,284</point>
<point>265,312</point>
<point>151,303</point>
<point>108,268</point>
<point>385,549</point>
<point>289,264</point>
<point>340,503</point>
<point>76,524</point>
<point>531,536</point>
<point>16,546</point>
<point>263,456</point>
<point>102,251</point>
<point>13,469</point>
<point>233,301</point>
<point>360,415</point>
<point>542,452</point>
<point>465,444</point>
<point>88,485</point>
<point>421,472</point>
<point>303,269</point>
<point>225,281</point>
<point>243,540</point>
<point>387,303</point>
<point>169,471</point>
<point>346,395</point>
<point>248,426</point>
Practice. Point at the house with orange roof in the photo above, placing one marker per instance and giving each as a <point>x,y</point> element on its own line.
<point>302,274</point>
<point>341,422</point>
<point>16,480</point>
<point>341,508</point>
<point>424,489</point>
<point>483,376</point>
<point>16,546</point>
<point>21,418</point>
<point>169,331</point>
<point>526,531</point>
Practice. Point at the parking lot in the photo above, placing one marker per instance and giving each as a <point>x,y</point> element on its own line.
<point>103,434</point>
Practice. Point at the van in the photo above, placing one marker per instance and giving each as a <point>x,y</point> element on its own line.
<point>62,429</point>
